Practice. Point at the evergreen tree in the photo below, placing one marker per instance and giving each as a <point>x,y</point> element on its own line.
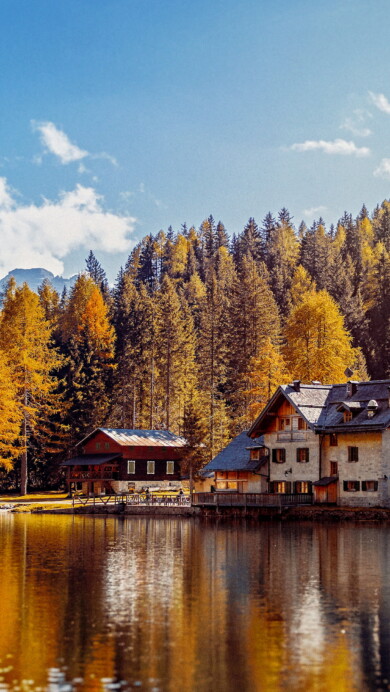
<point>254,316</point>
<point>176,353</point>
<point>88,342</point>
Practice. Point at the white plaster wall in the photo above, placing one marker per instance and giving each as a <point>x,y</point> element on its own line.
<point>300,471</point>
<point>368,468</point>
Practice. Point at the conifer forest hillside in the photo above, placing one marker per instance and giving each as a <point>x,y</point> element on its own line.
<point>196,334</point>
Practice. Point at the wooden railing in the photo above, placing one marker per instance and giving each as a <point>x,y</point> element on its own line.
<point>221,499</point>
<point>132,499</point>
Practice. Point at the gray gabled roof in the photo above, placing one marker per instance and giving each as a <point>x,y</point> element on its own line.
<point>322,406</point>
<point>236,456</point>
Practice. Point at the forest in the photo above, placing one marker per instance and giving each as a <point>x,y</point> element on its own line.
<point>196,334</point>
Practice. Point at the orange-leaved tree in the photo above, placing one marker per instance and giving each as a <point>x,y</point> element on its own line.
<point>25,338</point>
<point>318,346</point>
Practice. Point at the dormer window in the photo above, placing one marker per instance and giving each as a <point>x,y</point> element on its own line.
<point>372,408</point>
<point>254,454</point>
<point>347,416</point>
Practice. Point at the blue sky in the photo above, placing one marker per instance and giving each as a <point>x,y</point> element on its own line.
<point>121,117</point>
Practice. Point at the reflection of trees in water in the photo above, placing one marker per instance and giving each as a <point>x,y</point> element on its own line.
<point>196,604</point>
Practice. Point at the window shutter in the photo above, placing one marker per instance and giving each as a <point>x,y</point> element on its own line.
<point>345,486</point>
<point>274,455</point>
<point>288,486</point>
<point>357,485</point>
<point>364,485</point>
<point>375,485</point>
<point>310,488</point>
<point>298,454</point>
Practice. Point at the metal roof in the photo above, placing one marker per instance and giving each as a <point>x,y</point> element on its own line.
<point>91,459</point>
<point>236,456</point>
<point>140,438</point>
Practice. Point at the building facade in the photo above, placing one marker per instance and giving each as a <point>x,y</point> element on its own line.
<point>121,460</point>
<point>329,440</point>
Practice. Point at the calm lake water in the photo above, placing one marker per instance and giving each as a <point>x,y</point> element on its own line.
<point>94,603</point>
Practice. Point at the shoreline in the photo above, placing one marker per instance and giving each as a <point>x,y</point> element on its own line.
<point>328,514</point>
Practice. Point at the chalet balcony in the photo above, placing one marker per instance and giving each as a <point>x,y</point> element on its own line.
<point>93,474</point>
<point>291,435</point>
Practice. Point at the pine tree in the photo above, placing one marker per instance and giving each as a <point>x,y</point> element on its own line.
<point>176,353</point>
<point>88,342</point>
<point>254,316</point>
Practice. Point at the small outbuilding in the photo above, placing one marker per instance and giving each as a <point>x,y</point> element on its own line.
<point>242,466</point>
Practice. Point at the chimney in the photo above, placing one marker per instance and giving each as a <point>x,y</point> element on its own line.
<point>297,385</point>
<point>352,386</point>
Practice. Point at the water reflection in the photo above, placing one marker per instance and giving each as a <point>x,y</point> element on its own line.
<point>103,603</point>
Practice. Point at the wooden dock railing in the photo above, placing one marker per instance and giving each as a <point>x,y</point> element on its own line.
<point>221,499</point>
<point>129,499</point>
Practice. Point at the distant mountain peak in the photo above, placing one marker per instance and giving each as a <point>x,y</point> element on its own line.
<point>34,277</point>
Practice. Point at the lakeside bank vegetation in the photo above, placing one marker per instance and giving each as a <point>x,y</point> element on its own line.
<point>197,332</point>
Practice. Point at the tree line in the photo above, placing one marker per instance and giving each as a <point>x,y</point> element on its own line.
<point>197,332</point>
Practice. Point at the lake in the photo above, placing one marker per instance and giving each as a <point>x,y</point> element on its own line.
<point>106,603</point>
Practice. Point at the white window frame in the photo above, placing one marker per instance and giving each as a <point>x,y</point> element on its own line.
<point>130,469</point>
<point>170,465</point>
<point>149,466</point>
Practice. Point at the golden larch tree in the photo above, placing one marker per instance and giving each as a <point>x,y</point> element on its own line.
<point>318,347</point>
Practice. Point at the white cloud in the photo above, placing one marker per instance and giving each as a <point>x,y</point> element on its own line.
<point>313,211</point>
<point>58,143</point>
<point>42,235</point>
<point>356,123</point>
<point>339,146</point>
<point>383,170</point>
<point>380,102</point>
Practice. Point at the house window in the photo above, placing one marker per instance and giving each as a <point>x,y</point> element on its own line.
<point>347,416</point>
<point>150,467</point>
<point>97,445</point>
<point>333,440</point>
<point>303,487</point>
<point>333,468</point>
<point>370,486</point>
<point>106,445</point>
<point>254,454</point>
<point>303,454</point>
<point>130,466</point>
<point>353,453</point>
<point>279,455</point>
<point>351,486</point>
<point>280,487</point>
<point>170,467</point>
<point>284,423</point>
<point>302,424</point>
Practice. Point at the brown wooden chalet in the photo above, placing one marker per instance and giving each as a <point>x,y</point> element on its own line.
<point>120,460</point>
